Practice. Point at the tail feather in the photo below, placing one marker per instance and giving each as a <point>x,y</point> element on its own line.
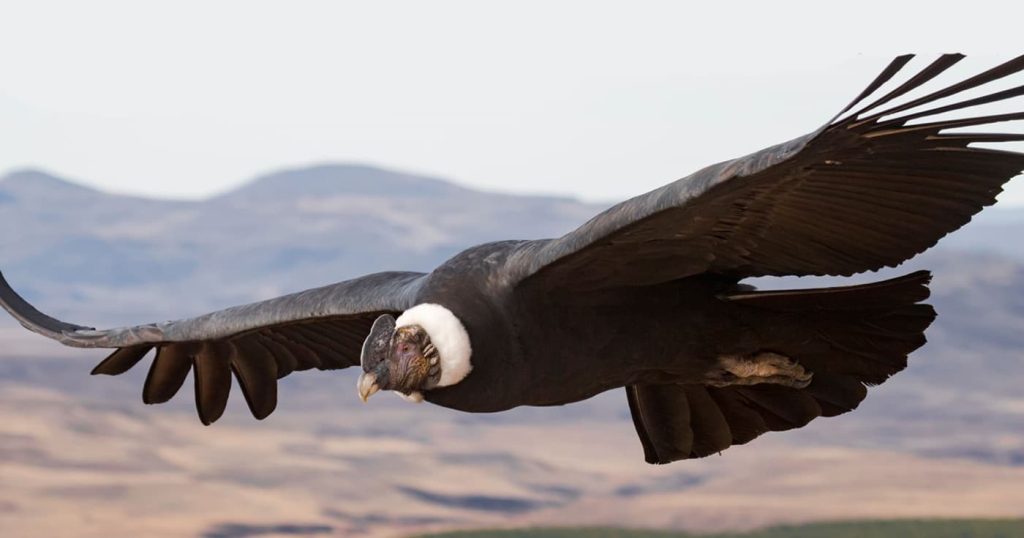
<point>848,337</point>
<point>894,293</point>
<point>865,331</point>
<point>836,394</point>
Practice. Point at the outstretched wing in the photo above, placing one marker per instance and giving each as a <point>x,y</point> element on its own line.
<point>870,189</point>
<point>260,343</point>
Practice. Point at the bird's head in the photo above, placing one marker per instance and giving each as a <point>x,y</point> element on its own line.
<point>425,348</point>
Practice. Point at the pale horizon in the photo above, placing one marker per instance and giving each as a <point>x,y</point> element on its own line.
<point>595,101</point>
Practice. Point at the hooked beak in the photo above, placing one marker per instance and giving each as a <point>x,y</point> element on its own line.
<point>367,385</point>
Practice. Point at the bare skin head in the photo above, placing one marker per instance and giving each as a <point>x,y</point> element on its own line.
<point>425,348</point>
<point>410,365</point>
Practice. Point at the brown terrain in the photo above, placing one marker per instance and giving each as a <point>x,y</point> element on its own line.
<point>78,467</point>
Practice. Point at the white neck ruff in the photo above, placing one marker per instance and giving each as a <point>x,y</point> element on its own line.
<point>447,334</point>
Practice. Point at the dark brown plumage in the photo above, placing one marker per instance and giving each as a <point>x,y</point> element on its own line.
<point>646,295</point>
<point>849,337</point>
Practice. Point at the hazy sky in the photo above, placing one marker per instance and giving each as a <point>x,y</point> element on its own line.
<point>593,99</point>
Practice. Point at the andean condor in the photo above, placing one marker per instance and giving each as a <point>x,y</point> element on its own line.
<point>646,296</point>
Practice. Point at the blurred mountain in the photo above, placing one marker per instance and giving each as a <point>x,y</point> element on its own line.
<point>347,180</point>
<point>107,258</point>
<point>996,230</point>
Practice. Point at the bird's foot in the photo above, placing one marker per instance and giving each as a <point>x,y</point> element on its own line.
<point>763,367</point>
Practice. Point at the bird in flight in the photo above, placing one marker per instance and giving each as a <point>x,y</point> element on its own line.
<point>647,296</point>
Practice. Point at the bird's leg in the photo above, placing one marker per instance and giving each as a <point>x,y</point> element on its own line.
<point>762,367</point>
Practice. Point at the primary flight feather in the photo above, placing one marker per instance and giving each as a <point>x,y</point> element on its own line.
<point>646,296</point>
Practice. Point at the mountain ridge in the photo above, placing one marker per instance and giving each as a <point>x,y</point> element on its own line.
<point>284,231</point>
<point>314,179</point>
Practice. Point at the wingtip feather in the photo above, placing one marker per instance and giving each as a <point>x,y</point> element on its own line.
<point>121,360</point>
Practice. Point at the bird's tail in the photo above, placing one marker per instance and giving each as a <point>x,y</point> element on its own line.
<point>865,331</point>
<point>847,337</point>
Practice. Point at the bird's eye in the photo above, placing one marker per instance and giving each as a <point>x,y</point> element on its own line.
<point>405,348</point>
